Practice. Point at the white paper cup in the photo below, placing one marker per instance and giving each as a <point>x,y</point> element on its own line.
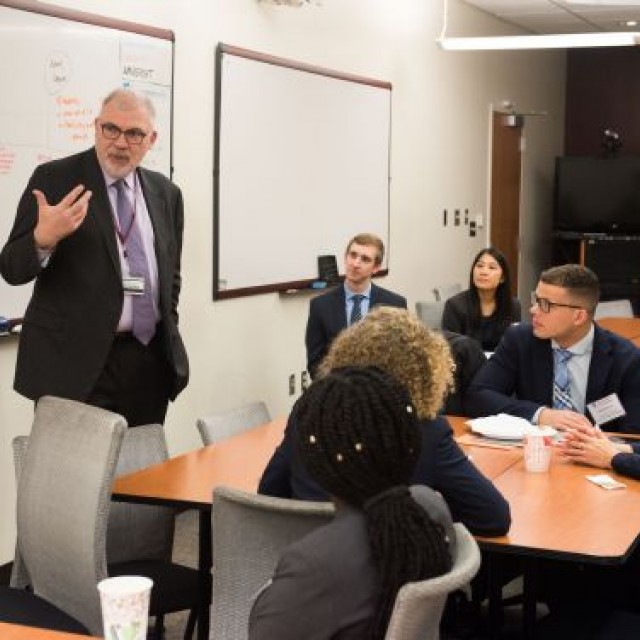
<point>537,452</point>
<point>125,607</point>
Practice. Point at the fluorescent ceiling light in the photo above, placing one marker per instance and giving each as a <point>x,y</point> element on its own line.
<point>607,3</point>
<point>552,41</point>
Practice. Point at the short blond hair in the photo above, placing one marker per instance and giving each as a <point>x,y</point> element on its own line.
<point>368,240</point>
<point>396,342</point>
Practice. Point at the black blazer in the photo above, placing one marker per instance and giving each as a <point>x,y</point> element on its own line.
<point>77,299</point>
<point>328,317</point>
<point>442,465</point>
<point>518,378</point>
<point>457,317</point>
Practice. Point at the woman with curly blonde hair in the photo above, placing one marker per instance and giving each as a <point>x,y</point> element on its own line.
<point>396,342</point>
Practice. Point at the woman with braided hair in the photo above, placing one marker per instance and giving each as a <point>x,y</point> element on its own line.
<point>358,435</point>
<point>396,342</point>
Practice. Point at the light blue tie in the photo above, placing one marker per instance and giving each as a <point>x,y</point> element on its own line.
<point>356,309</point>
<point>561,380</point>
<point>143,313</point>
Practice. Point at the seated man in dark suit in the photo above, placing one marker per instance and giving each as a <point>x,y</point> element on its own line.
<point>549,371</point>
<point>336,309</point>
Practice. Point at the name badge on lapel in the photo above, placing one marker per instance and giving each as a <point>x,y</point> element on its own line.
<point>606,409</point>
<point>133,285</point>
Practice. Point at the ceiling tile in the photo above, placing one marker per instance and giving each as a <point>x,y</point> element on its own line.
<point>559,16</point>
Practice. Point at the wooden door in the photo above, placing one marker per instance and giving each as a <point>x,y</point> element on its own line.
<point>505,189</point>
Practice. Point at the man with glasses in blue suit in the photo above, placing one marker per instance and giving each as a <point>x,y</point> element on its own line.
<point>549,371</point>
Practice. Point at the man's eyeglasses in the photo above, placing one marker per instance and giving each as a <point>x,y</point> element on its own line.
<point>546,305</point>
<point>112,132</point>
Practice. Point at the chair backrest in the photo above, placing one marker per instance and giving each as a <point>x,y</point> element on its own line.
<point>19,446</point>
<point>430,313</point>
<point>614,309</point>
<point>419,605</point>
<point>250,531</point>
<point>63,502</point>
<point>138,531</point>
<point>227,423</point>
<point>444,292</point>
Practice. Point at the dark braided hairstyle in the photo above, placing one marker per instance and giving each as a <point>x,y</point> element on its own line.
<point>358,436</point>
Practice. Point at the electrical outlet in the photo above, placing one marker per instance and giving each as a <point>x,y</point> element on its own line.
<point>444,217</point>
<point>304,381</point>
<point>466,216</point>
<point>292,384</point>
<point>456,218</point>
<point>472,229</point>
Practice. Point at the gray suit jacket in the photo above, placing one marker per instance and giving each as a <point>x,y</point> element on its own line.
<point>326,586</point>
<point>76,304</point>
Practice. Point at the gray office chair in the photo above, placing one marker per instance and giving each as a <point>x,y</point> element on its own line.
<point>614,309</point>
<point>430,313</point>
<point>227,423</point>
<point>63,499</point>
<point>444,292</point>
<point>419,605</point>
<point>19,574</point>
<point>250,532</point>
<point>140,537</point>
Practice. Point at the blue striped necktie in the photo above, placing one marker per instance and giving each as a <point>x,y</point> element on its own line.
<point>561,380</point>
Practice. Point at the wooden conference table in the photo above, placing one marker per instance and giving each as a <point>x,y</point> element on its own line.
<point>20,632</point>
<point>558,515</point>
<point>628,328</point>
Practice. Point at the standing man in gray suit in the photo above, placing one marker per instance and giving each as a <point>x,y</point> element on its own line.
<point>102,238</point>
<point>340,307</point>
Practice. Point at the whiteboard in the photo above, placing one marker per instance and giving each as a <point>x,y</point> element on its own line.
<point>301,166</point>
<point>55,71</point>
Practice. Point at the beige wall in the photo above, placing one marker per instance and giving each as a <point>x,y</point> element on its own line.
<point>245,349</point>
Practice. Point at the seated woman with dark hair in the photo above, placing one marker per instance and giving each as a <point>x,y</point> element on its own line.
<point>397,342</point>
<point>485,310</point>
<point>359,436</point>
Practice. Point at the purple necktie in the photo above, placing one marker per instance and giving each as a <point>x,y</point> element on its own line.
<point>144,317</point>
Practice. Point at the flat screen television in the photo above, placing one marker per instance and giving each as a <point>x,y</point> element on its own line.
<point>597,194</point>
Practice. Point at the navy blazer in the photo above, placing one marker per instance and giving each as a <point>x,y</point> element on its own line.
<point>518,378</point>
<point>628,464</point>
<point>472,498</point>
<point>76,304</point>
<point>328,317</point>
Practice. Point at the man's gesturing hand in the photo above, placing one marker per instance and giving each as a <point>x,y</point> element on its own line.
<point>56,222</point>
